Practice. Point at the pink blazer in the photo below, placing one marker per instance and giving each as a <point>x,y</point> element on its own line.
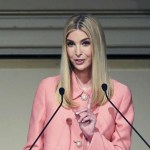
<point>111,133</point>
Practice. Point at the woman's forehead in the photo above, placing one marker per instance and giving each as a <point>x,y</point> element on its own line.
<point>77,33</point>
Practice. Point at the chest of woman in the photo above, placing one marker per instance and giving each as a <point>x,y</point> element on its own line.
<point>63,132</point>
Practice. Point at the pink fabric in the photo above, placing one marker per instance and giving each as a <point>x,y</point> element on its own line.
<point>111,133</point>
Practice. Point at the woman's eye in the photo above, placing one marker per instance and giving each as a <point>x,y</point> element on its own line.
<point>86,43</point>
<point>70,43</point>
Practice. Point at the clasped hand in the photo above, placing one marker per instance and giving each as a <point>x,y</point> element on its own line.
<point>87,121</point>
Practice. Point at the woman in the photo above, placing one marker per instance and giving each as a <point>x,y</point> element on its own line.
<point>86,120</point>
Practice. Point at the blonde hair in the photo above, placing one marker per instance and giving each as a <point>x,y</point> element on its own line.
<point>94,31</point>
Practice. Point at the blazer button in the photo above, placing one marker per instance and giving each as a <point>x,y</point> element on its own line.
<point>78,143</point>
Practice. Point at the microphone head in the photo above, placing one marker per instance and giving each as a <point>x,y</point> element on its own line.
<point>61,91</point>
<point>104,87</point>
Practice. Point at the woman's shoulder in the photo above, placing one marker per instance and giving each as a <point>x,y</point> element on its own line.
<point>119,86</point>
<point>50,81</point>
<point>51,78</point>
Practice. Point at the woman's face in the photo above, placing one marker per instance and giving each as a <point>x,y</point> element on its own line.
<point>79,50</point>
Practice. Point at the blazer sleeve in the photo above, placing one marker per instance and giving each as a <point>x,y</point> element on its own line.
<point>37,119</point>
<point>121,137</point>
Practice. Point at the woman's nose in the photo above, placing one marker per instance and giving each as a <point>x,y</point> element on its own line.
<point>78,51</point>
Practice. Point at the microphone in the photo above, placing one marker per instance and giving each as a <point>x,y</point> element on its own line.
<point>61,92</point>
<point>104,88</point>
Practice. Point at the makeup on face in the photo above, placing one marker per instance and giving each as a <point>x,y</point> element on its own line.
<point>79,50</point>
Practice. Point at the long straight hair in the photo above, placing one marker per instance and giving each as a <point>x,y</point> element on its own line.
<point>100,75</point>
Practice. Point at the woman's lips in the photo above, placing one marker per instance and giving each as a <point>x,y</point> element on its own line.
<point>79,61</point>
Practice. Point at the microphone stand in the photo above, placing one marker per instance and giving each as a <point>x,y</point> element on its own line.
<point>104,88</point>
<point>61,92</point>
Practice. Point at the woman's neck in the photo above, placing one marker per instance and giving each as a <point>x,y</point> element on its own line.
<point>83,79</point>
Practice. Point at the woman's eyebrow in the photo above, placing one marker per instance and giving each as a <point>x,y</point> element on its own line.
<point>85,39</point>
<point>68,40</point>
